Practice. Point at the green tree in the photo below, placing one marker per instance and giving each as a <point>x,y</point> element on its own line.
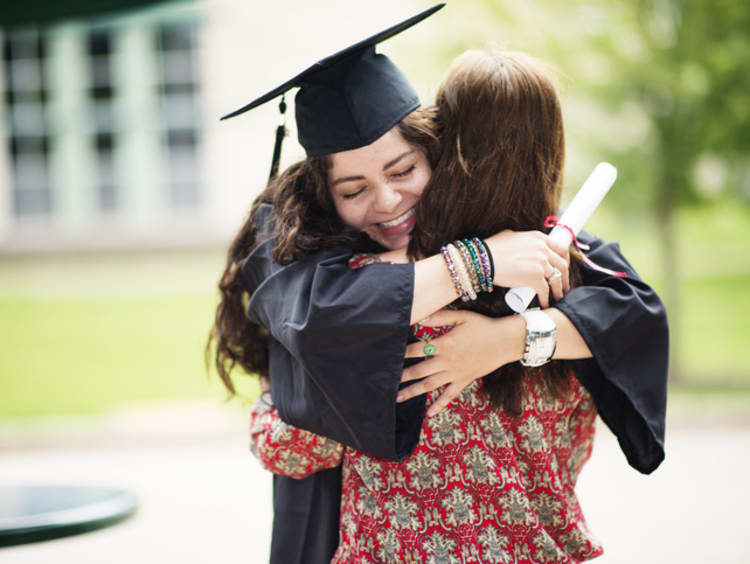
<point>663,87</point>
<point>691,80</point>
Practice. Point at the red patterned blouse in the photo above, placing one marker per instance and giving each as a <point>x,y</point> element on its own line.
<point>482,486</point>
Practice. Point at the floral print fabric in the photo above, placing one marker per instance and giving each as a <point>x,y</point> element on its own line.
<point>482,486</point>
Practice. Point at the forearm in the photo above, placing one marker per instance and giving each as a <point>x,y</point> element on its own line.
<point>524,258</point>
<point>476,346</point>
<point>570,343</point>
<point>433,287</point>
<point>512,332</point>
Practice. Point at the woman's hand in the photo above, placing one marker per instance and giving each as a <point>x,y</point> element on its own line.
<point>529,258</point>
<point>476,346</point>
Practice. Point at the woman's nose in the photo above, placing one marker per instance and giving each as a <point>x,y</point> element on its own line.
<point>386,198</point>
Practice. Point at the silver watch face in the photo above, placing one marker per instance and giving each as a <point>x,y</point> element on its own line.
<point>541,338</point>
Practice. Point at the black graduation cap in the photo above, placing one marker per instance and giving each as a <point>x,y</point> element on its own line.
<point>349,99</point>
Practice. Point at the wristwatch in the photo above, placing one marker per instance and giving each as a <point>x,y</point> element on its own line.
<point>541,338</point>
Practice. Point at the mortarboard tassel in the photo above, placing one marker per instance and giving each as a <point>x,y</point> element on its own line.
<point>280,133</point>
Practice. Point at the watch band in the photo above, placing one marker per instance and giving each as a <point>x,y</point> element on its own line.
<point>541,338</point>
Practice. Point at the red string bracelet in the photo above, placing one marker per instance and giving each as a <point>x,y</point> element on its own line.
<point>554,221</point>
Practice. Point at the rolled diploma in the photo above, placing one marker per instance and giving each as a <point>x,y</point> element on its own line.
<point>579,211</point>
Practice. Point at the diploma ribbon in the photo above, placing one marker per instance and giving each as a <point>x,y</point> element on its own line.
<point>554,221</point>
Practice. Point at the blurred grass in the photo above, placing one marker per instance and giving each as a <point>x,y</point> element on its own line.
<point>712,328</point>
<point>88,333</point>
<point>76,355</point>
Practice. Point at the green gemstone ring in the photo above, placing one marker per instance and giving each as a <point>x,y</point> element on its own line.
<point>429,349</point>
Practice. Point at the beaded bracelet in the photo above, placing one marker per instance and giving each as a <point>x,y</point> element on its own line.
<point>485,256</point>
<point>474,252</point>
<point>460,271</point>
<point>452,270</point>
<point>463,273</point>
<point>469,264</point>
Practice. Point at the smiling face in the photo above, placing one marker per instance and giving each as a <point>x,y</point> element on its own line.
<point>375,188</point>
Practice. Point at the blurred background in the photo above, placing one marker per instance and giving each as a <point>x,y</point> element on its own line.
<point>120,191</point>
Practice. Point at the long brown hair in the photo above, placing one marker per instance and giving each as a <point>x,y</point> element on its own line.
<point>305,221</point>
<point>500,167</point>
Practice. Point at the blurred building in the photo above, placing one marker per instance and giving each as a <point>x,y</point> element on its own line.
<point>102,129</point>
<point>110,134</point>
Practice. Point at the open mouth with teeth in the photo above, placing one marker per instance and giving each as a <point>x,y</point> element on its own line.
<point>396,222</point>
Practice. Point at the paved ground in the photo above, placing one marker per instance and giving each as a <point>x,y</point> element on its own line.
<point>202,497</point>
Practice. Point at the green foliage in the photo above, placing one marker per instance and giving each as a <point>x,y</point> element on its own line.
<point>714,317</point>
<point>659,87</point>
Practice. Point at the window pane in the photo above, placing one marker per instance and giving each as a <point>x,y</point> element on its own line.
<point>27,119</point>
<point>183,177</point>
<point>180,111</point>
<point>178,67</point>
<point>177,36</point>
<point>106,186</point>
<point>26,44</point>
<point>32,202</point>
<point>101,71</point>
<point>25,74</point>
<point>30,172</point>
<point>104,117</point>
<point>100,42</point>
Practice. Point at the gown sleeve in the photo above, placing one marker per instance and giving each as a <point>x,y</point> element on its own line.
<point>624,323</point>
<point>337,341</point>
<point>284,449</point>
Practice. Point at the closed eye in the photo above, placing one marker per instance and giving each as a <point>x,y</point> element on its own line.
<point>404,172</point>
<point>353,194</point>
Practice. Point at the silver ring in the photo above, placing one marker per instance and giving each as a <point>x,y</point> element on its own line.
<point>555,275</point>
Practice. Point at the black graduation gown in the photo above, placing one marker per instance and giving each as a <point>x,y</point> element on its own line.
<point>320,312</point>
<point>306,518</point>
<point>624,323</point>
<point>338,338</point>
<point>337,341</point>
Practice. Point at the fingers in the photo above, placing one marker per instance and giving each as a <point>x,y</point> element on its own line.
<point>556,261</point>
<point>442,318</point>
<point>542,292</point>
<point>449,394</point>
<point>417,350</point>
<point>422,387</point>
<point>421,370</point>
<point>561,250</point>
<point>556,287</point>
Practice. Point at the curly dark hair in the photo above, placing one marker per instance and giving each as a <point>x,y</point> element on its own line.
<point>306,221</point>
<point>496,144</point>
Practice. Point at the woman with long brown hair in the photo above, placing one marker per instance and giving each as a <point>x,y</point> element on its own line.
<point>492,477</point>
<point>333,339</point>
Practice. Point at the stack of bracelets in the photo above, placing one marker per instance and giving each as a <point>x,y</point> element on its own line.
<point>469,262</point>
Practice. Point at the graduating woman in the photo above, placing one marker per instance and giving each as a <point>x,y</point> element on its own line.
<point>492,478</point>
<point>333,339</point>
